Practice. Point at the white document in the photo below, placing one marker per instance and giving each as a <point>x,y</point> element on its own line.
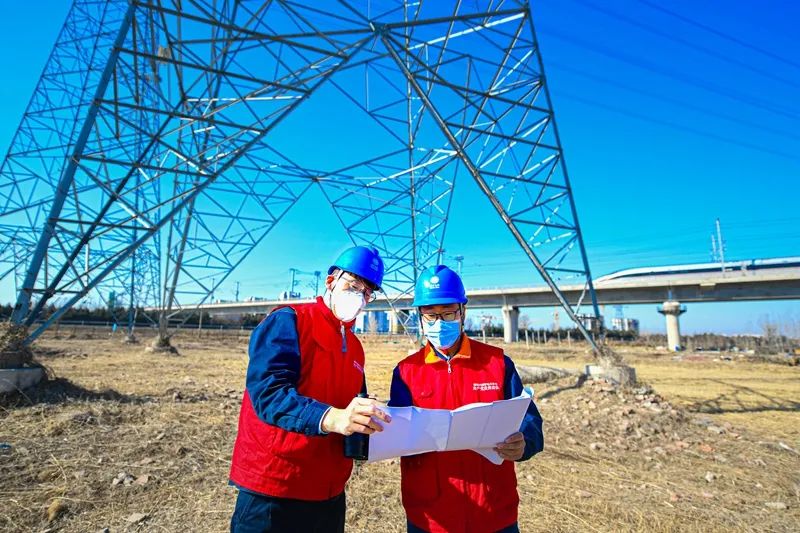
<point>477,426</point>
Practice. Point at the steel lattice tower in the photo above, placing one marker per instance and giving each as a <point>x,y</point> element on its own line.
<point>166,138</point>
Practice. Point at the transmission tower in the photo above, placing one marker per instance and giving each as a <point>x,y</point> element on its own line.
<point>190,129</point>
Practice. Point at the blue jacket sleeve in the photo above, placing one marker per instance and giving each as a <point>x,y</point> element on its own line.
<point>399,394</point>
<point>273,373</point>
<point>532,423</point>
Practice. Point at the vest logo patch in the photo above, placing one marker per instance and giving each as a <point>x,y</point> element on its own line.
<point>358,367</point>
<point>485,386</point>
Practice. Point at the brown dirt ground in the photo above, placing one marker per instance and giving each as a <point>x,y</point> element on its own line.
<point>711,447</point>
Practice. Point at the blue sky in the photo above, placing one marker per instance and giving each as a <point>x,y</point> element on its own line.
<point>666,121</point>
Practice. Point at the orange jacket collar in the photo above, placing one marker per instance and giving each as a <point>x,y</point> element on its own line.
<point>464,351</point>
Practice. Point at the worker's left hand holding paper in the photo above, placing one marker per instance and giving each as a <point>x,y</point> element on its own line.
<point>479,427</point>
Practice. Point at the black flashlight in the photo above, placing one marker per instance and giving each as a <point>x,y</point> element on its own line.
<point>356,446</point>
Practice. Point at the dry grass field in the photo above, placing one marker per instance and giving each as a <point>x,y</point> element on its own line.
<point>133,441</point>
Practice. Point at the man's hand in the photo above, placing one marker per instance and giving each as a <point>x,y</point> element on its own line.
<point>512,448</point>
<point>358,417</point>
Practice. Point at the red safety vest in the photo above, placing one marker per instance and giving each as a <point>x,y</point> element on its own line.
<point>457,491</point>
<point>269,460</point>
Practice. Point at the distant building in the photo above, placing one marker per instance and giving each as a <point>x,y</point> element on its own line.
<point>625,324</point>
<point>590,322</point>
<point>287,295</point>
<point>372,321</point>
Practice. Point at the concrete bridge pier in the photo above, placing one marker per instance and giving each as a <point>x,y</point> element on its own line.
<point>510,323</point>
<point>394,322</point>
<point>671,310</point>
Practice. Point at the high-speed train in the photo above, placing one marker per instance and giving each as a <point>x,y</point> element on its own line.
<point>697,268</point>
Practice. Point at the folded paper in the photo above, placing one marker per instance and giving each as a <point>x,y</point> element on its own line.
<point>477,426</point>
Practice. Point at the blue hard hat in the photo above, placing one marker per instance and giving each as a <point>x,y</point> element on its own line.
<point>439,285</point>
<point>362,261</point>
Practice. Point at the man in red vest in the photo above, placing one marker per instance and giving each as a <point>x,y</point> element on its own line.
<point>306,368</point>
<point>459,491</point>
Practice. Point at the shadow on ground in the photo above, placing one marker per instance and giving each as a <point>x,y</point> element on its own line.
<point>55,390</point>
<point>577,385</point>
<point>740,401</point>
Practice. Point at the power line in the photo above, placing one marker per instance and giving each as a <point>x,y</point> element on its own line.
<point>681,127</point>
<point>608,254</point>
<point>720,34</point>
<point>675,101</point>
<point>678,237</point>
<point>603,265</point>
<point>655,247</point>
<point>688,80</point>
<point>600,255</point>
<point>691,228</point>
<point>680,40</point>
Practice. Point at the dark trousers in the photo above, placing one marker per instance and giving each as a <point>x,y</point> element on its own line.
<point>257,513</point>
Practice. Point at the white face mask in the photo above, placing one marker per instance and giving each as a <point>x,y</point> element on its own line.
<point>346,304</point>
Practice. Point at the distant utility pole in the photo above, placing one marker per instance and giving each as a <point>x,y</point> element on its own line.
<point>459,261</point>
<point>293,282</point>
<point>714,256</point>
<point>237,291</point>
<point>721,244</point>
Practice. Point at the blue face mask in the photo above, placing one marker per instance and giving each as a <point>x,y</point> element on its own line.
<point>442,334</point>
